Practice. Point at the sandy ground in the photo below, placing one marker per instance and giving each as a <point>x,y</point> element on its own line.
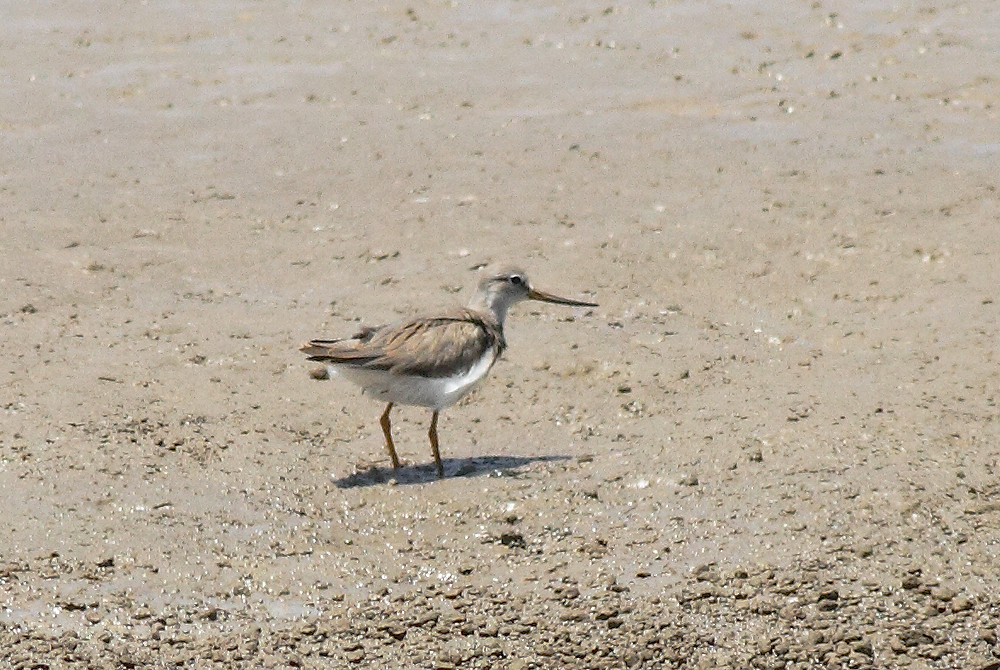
<point>773,445</point>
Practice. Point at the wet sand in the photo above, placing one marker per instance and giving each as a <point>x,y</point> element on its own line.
<point>773,445</point>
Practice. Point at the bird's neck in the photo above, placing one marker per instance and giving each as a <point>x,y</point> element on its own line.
<point>491,304</point>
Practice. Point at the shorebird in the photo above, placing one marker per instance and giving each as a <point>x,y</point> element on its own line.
<point>432,360</point>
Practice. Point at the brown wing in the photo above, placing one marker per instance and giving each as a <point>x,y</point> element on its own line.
<point>426,346</point>
<point>342,351</point>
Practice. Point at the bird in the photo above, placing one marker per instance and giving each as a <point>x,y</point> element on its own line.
<point>435,359</point>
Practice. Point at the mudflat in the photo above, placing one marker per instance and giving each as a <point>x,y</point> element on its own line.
<point>773,445</point>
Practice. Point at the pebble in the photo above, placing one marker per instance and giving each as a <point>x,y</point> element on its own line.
<point>635,632</point>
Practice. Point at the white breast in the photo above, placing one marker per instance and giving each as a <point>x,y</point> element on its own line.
<point>433,392</point>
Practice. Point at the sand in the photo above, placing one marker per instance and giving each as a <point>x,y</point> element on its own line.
<point>773,445</point>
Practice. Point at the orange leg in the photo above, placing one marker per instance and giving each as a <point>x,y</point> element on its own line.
<point>387,431</point>
<point>433,434</point>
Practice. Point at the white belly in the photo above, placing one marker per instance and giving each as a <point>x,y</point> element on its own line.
<point>433,392</point>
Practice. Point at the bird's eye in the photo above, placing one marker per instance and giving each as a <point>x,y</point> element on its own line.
<point>517,280</point>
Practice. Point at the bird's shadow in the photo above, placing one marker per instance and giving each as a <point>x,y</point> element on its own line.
<point>481,466</point>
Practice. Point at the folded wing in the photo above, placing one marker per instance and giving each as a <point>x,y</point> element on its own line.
<point>438,346</point>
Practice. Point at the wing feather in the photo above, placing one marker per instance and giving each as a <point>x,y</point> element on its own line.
<point>435,346</point>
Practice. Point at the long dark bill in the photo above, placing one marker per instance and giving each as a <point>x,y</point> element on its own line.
<point>534,294</point>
